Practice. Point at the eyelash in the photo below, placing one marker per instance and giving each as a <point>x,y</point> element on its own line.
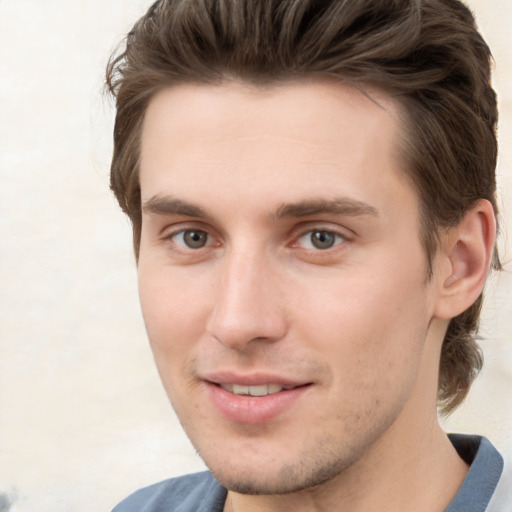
<point>337,239</point>
<point>172,238</point>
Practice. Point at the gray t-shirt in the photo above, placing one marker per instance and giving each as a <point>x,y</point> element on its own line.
<point>200,492</point>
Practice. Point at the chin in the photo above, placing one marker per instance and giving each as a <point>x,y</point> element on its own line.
<point>263,479</point>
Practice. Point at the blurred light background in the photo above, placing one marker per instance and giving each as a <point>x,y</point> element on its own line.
<point>83,418</point>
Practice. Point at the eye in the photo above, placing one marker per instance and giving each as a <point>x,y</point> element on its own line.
<point>191,238</point>
<point>320,239</point>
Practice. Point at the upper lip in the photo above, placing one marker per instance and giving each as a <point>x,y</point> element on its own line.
<point>252,379</point>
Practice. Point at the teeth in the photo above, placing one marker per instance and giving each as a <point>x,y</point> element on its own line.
<point>275,388</point>
<point>263,390</point>
<point>241,390</point>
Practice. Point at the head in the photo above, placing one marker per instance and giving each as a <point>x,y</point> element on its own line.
<point>295,172</point>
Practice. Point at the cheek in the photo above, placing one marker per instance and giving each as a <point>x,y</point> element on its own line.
<point>372,327</point>
<point>174,310</point>
<point>373,346</point>
<point>174,318</point>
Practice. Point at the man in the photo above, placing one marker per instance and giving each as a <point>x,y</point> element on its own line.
<point>312,192</point>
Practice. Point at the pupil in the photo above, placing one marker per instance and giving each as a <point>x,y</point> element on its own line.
<point>322,239</point>
<point>195,239</point>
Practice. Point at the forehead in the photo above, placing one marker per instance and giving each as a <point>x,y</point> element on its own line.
<point>322,107</point>
<point>321,137</point>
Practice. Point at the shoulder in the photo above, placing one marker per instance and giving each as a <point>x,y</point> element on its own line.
<point>501,500</point>
<point>199,492</point>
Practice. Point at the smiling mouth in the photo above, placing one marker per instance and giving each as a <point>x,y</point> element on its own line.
<point>254,400</point>
<point>261,390</point>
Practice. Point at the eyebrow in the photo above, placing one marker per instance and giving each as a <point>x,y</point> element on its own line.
<point>337,206</point>
<point>171,206</point>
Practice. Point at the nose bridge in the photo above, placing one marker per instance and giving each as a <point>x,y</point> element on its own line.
<point>247,306</point>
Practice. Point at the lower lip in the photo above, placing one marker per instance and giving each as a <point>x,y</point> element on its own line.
<point>252,410</point>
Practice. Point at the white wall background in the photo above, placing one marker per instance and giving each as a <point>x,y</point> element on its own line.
<point>83,419</point>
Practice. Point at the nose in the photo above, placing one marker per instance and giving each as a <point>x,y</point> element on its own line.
<point>247,305</point>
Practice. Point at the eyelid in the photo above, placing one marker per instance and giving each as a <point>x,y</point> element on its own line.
<point>309,227</point>
<point>180,235</point>
<point>171,229</point>
<point>169,232</point>
<point>338,239</point>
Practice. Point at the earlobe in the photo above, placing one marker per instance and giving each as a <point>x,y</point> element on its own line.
<point>466,252</point>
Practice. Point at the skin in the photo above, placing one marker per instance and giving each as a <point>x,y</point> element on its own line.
<point>253,174</point>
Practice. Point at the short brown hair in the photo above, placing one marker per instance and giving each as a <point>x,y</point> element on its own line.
<point>427,53</point>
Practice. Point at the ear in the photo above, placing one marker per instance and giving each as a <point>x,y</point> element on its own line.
<point>463,261</point>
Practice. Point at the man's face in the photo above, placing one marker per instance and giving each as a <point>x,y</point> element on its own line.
<point>282,278</point>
